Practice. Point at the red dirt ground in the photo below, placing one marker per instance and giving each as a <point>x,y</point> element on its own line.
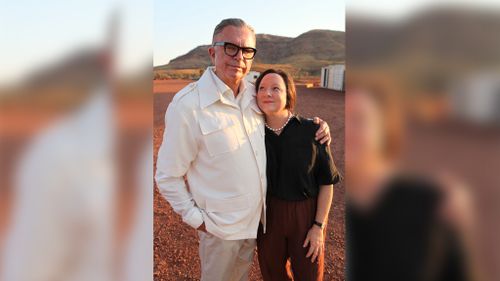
<point>176,244</point>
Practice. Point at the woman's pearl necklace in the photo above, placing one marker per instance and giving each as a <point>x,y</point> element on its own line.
<point>280,128</point>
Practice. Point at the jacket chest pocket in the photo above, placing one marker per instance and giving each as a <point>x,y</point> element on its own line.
<point>219,135</point>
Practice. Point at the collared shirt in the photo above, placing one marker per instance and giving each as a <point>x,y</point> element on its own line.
<point>220,148</point>
<point>227,92</point>
<point>297,164</point>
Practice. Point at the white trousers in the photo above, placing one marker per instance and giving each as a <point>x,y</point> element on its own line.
<point>225,260</point>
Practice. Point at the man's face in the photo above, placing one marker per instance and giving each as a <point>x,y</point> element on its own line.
<point>232,69</point>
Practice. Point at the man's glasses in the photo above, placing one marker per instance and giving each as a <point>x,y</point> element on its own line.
<point>232,50</point>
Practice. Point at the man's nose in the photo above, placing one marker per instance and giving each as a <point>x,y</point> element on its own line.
<point>239,55</point>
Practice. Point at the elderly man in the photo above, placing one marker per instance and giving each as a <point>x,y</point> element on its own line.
<point>215,137</point>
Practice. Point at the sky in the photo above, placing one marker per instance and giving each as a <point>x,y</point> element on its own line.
<point>36,34</point>
<point>397,10</point>
<point>180,26</point>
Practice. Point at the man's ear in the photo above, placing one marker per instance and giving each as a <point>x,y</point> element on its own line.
<point>211,53</point>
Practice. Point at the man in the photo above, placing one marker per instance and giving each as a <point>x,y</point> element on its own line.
<point>215,137</point>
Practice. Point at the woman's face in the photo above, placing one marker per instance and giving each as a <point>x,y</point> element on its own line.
<point>271,94</point>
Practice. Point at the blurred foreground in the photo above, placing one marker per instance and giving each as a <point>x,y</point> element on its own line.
<point>423,144</point>
<point>76,149</point>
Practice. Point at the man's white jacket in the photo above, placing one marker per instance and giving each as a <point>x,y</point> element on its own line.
<point>217,143</point>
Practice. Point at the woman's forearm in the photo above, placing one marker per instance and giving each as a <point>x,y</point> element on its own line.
<point>324,202</point>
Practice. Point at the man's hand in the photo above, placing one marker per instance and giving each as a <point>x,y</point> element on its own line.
<point>202,228</point>
<point>323,133</point>
<point>316,241</point>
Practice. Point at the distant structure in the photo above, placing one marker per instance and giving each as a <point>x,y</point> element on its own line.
<point>333,77</point>
<point>252,76</point>
<point>475,99</point>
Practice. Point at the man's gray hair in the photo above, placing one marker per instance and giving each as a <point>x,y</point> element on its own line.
<point>230,22</point>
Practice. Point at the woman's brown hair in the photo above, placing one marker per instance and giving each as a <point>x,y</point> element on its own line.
<point>291,94</point>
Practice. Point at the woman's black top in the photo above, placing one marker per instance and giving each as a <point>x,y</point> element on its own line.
<point>400,238</point>
<point>296,163</point>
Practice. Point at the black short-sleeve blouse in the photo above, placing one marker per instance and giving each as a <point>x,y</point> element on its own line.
<point>297,164</point>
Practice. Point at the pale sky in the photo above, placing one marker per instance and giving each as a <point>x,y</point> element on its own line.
<point>396,10</point>
<point>180,26</point>
<point>36,34</point>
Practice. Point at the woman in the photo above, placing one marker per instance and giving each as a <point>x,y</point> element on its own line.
<point>300,177</point>
<point>394,227</point>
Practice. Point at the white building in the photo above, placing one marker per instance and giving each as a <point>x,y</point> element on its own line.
<point>333,77</point>
<point>252,76</point>
<point>476,99</point>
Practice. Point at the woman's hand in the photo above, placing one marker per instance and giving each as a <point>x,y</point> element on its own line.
<point>316,241</point>
<point>323,133</point>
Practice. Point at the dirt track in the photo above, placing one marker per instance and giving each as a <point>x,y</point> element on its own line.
<point>176,244</point>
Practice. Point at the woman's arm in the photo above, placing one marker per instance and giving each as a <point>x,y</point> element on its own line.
<point>315,235</point>
<point>324,202</point>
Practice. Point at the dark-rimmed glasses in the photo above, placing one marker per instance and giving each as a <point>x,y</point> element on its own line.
<point>232,50</point>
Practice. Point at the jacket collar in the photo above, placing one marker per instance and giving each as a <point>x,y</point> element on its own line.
<point>252,100</point>
<point>209,92</point>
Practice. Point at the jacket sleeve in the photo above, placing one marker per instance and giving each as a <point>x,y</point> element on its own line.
<point>178,150</point>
